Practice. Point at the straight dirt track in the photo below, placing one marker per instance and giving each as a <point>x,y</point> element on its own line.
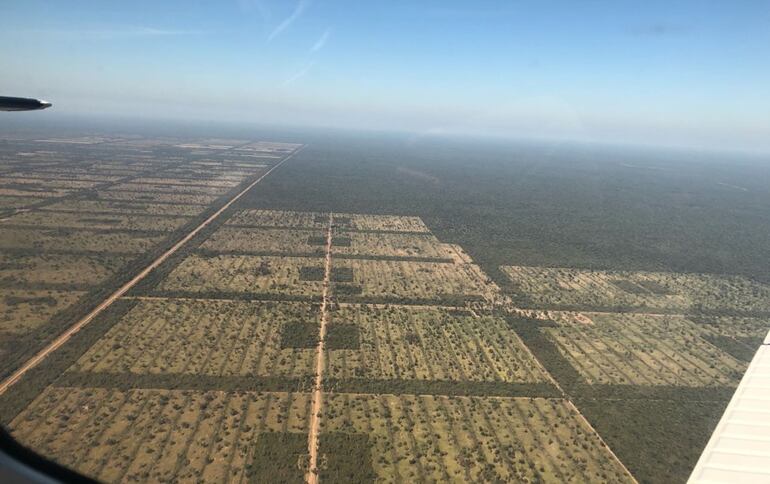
<point>64,337</point>
<point>315,411</point>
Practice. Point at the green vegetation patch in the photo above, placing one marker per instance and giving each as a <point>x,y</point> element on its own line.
<point>342,241</point>
<point>739,348</point>
<point>629,286</point>
<point>442,387</point>
<point>299,335</point>
<point>345,457</point>
<point>658,440</point>
<point>342,274</point>
<point>311,273</point>
<point>316,240</point>
<point>278,457</point>
<point>342,336</point>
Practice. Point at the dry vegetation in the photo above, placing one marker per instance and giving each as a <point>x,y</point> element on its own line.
<point>563,287</point>
<point>384,223</point>
<point>275,218</point>
<point>202,337</point>
<point>61,270</point>
<point>23,310</point>
<point>245,275</point>
<point>472,439</point>
<point>105,206</point>
<point>78,240</point>
<point>368,244</point>
<point>268,241</point>
<point>157,435</point>
<point>429,343</point>
<point>637,349</point>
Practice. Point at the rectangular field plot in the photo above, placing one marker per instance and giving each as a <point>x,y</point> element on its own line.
<point>424,343</point>
<point>404,281</point>
<point>24,310</point>
<point>42,183</point>
<point>576,288</point>
<point>64,271</point>
<point>196,190</point>
<point>16,202</point>
<point>77,240</point>
<point>187,182</point>
<point>104,206</point>
<point>245,274</point>
<point>390,245</point>
<point>278,218</point>
<point>470,439</point>
<point>205,338</point>
<point>267,241</point>
<point>637,349</point>
<point>173,198</point>
<point>384,223</point>
<point>96,221</point>
<point>163,435</point>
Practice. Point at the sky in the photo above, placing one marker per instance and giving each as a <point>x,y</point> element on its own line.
<point>683,73</point>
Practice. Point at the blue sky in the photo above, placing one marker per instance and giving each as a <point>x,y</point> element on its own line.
<point>675,73</point>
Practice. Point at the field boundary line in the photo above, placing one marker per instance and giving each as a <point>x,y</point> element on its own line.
<point>64,337</point>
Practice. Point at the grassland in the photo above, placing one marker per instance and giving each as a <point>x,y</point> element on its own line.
<point>472,439</point>
<point>63,271</point>
<point>275,218</point>
<point>202,337</point>
<point>429,343</point>
<point>236,274</point>
<point>78,240</point>
<point>265,241</point>
<point>157,435</point>
<point>397,245</point>
<point>624,290</point>
<point>24,310</point>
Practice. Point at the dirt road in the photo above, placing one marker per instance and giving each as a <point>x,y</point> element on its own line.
<point>64,337</point>
<point>312,437</point>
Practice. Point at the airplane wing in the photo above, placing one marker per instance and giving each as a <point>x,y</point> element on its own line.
<point>739,448</point>
<point>22,104</point>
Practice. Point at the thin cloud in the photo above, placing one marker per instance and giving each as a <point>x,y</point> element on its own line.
<point>300,73</point>
<point>302,5</point>
<point>321,42</point>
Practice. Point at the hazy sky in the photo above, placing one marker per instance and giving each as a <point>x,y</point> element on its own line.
<point>670,72</point>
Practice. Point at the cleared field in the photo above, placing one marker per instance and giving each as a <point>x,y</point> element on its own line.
<point>637,349</point>
<point>17,202</point>
<point>161,435</point>
<point>277,218</point>
<point>158,197</point>
<point>105,206</point>
<point>67,271</point>
<point>24,310</point>
<point>390,245</point>
<point>388,223</point>
<point>95,221</point>
<point>197,190</point>
<point>245,275</point>
<point>62,175</point>
<point>203,338</point>
<point>77,240</point>
<point>187,182</point>
<point>42,183</point>
<point>471,439</point>
<point>411,280</point>
<point>278,241</point>
<point>547,286</point>
<point>30,191</point>
<point>429,344</point>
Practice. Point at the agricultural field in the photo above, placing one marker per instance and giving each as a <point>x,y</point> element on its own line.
<point>244,274</point>
<point>204,337</point>
<point>419,438</point>
<point>63,271</point>
<point>567,288</point>
<point>284,219</point>
<point>132,207</point>
<point>79,240</point>
<point>638,349</point>
<point>427,343</point>
<point>24,310</point>
<point>379,223</point>
<point>267,241</point>
<point>144,187</point>
<point>380,280</point>
<point>157,197</point>
<point>368,244</point>
<point>96,221</point>
<point>162,435</point>
<point>16,202</point>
